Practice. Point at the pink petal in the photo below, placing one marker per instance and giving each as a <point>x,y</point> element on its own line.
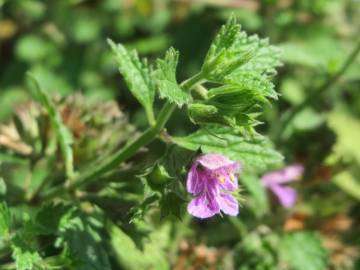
<point>287,174</point>
<point>194,183</point>
<point>216,161</point>
<point>203,207</point>
<point>228,204</point>
<point>286,195</point>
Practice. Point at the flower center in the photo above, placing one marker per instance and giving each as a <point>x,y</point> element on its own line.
<point>221,177</point>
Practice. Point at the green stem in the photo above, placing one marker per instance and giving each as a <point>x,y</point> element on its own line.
<point>129,150</point>
<point>314,94</point>
<point>201,91</point>
<point>150,116</point>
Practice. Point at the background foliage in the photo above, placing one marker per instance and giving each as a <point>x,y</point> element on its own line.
<point>83,110</point>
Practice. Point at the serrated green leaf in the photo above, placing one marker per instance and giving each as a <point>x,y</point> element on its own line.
<point>176,160</point>
<point>5,220</point>
<point>138,212</point>
<point>48,219</point>
<point>25,256</point>
<point>256,153</point>
<point>303,250</point>
<point>63,134</point>
<point>258,83</point>
<point>137,74</point>
<point>125,249</point>
<point>132,258</point>
<point>233,51</point>
<point>79,232</point>
<point>172,204</point>
<point>166,79</point>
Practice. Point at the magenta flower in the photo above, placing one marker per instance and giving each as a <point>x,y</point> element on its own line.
<point>275,180</point>
<point>210,179</point>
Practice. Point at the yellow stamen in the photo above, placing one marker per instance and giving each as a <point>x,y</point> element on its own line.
<point>221,178</point>
<point>232,177</point>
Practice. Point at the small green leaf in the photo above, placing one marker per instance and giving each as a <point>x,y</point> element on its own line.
<point>166,79</point>
<point>5,220</point>
<point>130,257</point>
<point>172,204</point>
<point>63,134</point>
<point>137,75</point>
<point>25,256</point>
<point>126,252</point>
<point>138,212</point>
<point>48,219</point>
<point>255,153</point>
<point>303,250</point>
<point>258,83</point>
<point>80,233</point>
<point>233,51</point>
<point>176,160</point>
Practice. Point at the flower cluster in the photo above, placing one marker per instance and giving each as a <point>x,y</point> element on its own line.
<point>211,179</point>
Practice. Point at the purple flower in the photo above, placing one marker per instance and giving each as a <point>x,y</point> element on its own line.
<point>210,179</point>
<point>275,182</point>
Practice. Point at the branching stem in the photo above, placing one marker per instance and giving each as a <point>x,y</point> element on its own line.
<point>128,150</point>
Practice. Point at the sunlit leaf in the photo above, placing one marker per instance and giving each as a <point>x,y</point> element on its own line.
<point>303,250</point>
<point>255,153</point>
<point>233,51</point>
<point>25,256</point>
<point>130,257</point>
<point>5,220</point>
<point>166,79</point>
<point>137,74</point>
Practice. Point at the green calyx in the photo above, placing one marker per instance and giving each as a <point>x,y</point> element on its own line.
<point>158,176</point>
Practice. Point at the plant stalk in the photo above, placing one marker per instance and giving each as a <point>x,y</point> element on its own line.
<point>127,151</point>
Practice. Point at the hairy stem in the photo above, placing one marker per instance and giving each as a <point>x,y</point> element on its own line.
<point>127,151</point>
<point>314,94</point>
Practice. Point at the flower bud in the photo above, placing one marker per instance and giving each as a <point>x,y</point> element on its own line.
<point>204,114</point>
<point>158,176</point>
<point>235,99</point>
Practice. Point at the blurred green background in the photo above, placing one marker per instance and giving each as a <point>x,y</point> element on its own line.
<point>64,44</point>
